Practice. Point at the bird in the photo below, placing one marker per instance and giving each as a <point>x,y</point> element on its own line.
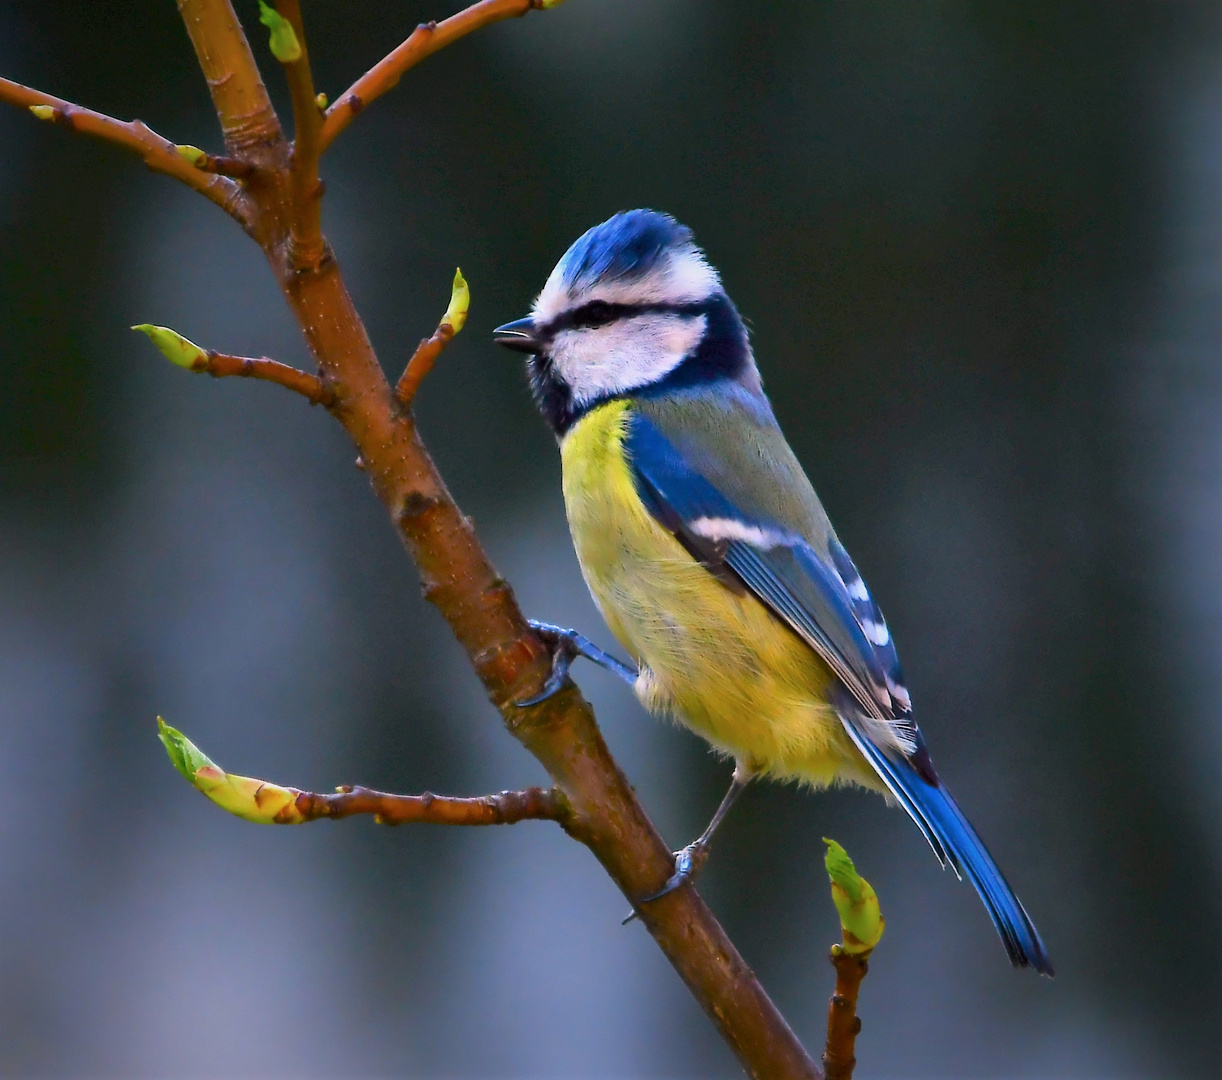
<point>708,553</point>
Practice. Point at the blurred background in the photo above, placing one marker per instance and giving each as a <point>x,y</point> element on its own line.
<point>978,245</point>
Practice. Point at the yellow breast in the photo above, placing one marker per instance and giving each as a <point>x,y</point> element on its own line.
<point>718,661</point>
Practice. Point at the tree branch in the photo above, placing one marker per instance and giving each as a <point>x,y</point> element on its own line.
<point>221,365</point>
<point>425,40</point>
<point>186,354</point>
<point>135,136</point>
<point>429,349</point>
<point>306,221</point>
<point>507,808</point>
<point>843,1023</point>
<point>248,121</point>
<point>267,803</point>
<point>421,364</point>
<point>508,657</point>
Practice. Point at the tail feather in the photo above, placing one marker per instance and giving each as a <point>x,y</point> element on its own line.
<point>956,844</point>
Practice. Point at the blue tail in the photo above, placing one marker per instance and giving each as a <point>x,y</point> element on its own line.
<point>954,841</point>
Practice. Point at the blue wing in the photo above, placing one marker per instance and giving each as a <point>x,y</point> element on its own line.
<point>826,603</point>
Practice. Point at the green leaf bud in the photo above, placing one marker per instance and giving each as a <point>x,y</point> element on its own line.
<point>861,921</point>
<point>43,112</point>
<point>176,348</point>
<point>192,154</point>
<point>460,300</point>
<point>244,796</point>
<point>281,38</point>
<point>184,754</point>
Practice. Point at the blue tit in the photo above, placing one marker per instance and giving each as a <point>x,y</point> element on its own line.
<point>708,553</point>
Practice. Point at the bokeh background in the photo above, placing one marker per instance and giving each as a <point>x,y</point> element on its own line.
<point>978,245</point>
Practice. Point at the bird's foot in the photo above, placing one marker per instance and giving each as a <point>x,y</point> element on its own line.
<point>689,861</point>
<point>567,646</point>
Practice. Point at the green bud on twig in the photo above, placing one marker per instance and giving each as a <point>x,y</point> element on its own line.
<point>43,112</point>
<point>460,300</point>
<point>192,154</point>
<point>176,348</point>
<point>321,101</point>
<point>248,798</point>
<point>550,4</point>
<point>281,38</point>
<point>861,921</point>
<point>184,754</point>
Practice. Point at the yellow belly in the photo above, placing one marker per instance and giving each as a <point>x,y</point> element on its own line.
<point>717,661</point>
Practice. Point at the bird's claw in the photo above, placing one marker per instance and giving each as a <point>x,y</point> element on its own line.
<point>565,649</point>
<point>689,861</point>
<point>567,646</point>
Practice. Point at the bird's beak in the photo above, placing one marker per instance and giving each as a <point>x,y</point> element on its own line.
<point>518,335</point>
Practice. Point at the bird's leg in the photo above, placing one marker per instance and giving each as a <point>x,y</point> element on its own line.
<point>567,646</point>
<point>690,860</point>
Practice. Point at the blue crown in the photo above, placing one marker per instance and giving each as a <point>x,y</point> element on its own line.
<point>626,245</point>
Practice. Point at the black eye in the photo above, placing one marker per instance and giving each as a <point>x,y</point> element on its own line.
<point>595,313</point>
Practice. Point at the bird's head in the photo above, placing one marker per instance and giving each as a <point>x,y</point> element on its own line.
<point>633,307</point>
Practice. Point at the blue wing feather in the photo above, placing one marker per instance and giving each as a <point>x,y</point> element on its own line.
<point>829,607</point>
<point>788,576</point>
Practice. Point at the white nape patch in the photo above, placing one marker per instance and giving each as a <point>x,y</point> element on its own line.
<point>857,589</point>
<point>876,632</point>
<point>596,362</point>
<point>680,277</point>
<point>718,528</point>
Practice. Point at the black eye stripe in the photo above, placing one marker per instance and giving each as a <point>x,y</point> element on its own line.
<point>599,313</point>
<point>596,313</point>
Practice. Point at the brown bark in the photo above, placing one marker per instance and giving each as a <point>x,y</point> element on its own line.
<point>425,40</point>
<point>507,808</point>
<point>421,364</point>
<point>843,1023</point>
<point>310,387</point>
<point>248,121</point>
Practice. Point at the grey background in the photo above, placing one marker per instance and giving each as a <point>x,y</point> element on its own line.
<point>978,245</point>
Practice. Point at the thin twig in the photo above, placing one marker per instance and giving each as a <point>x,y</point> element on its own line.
<point>421,364</point>
<point>843,1023</point>
<point>221,365</point>
<point>159,154</point>
<point>425,356</point>
<point>425,40</point>
<point>507,808</point>
<point>306,221</point>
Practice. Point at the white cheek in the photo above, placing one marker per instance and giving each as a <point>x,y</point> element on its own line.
<point>624,355</point>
